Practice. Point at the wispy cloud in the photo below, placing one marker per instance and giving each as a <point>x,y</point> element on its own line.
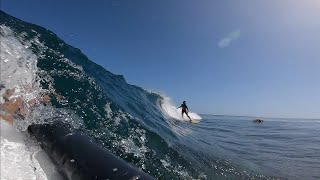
<point>226,41</point>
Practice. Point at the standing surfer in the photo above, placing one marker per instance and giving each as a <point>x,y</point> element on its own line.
<point>184,109</point>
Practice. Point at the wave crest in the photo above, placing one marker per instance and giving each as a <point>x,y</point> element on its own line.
<point>171,111</point>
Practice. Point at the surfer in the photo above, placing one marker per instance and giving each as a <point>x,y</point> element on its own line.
<point>258,120</point>
<point>184,109</point>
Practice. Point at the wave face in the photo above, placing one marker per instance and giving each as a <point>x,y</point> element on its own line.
<point>141,127</point>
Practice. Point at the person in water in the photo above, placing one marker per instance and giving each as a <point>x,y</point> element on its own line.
<point>184,109</point>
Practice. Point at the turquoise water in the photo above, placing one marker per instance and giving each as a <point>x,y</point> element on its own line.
<point>141,126</point>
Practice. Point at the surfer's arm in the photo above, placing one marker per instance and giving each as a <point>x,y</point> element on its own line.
<point>178,107</point>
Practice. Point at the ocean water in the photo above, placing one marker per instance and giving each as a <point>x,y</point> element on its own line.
<point>144,128</point>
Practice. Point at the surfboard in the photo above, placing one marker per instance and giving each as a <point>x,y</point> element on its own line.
<point>194,121</point>
<point>78,156</point>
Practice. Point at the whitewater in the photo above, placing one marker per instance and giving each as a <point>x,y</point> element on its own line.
<point>51,81</point>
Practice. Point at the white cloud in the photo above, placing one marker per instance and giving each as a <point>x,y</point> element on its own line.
<point>226,41</point>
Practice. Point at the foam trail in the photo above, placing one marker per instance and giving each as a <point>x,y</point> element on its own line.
<point>170,110</point>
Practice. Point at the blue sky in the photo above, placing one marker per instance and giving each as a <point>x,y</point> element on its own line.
<point>259,58</point>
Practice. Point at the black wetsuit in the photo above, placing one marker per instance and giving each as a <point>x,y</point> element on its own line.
<point>184,107</point>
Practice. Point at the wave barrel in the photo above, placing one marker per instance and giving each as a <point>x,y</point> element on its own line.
<point>78,157</point>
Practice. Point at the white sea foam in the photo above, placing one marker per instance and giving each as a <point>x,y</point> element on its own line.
<point>171,110</point>
<point>21,158</point>
<point>18,66</point>
<point>19,70</point>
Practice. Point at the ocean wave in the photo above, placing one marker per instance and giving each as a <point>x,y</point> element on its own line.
<point>123,118</point>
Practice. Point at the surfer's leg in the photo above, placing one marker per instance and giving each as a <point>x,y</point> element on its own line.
<point>182,112</point>
<point>188,116</point>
